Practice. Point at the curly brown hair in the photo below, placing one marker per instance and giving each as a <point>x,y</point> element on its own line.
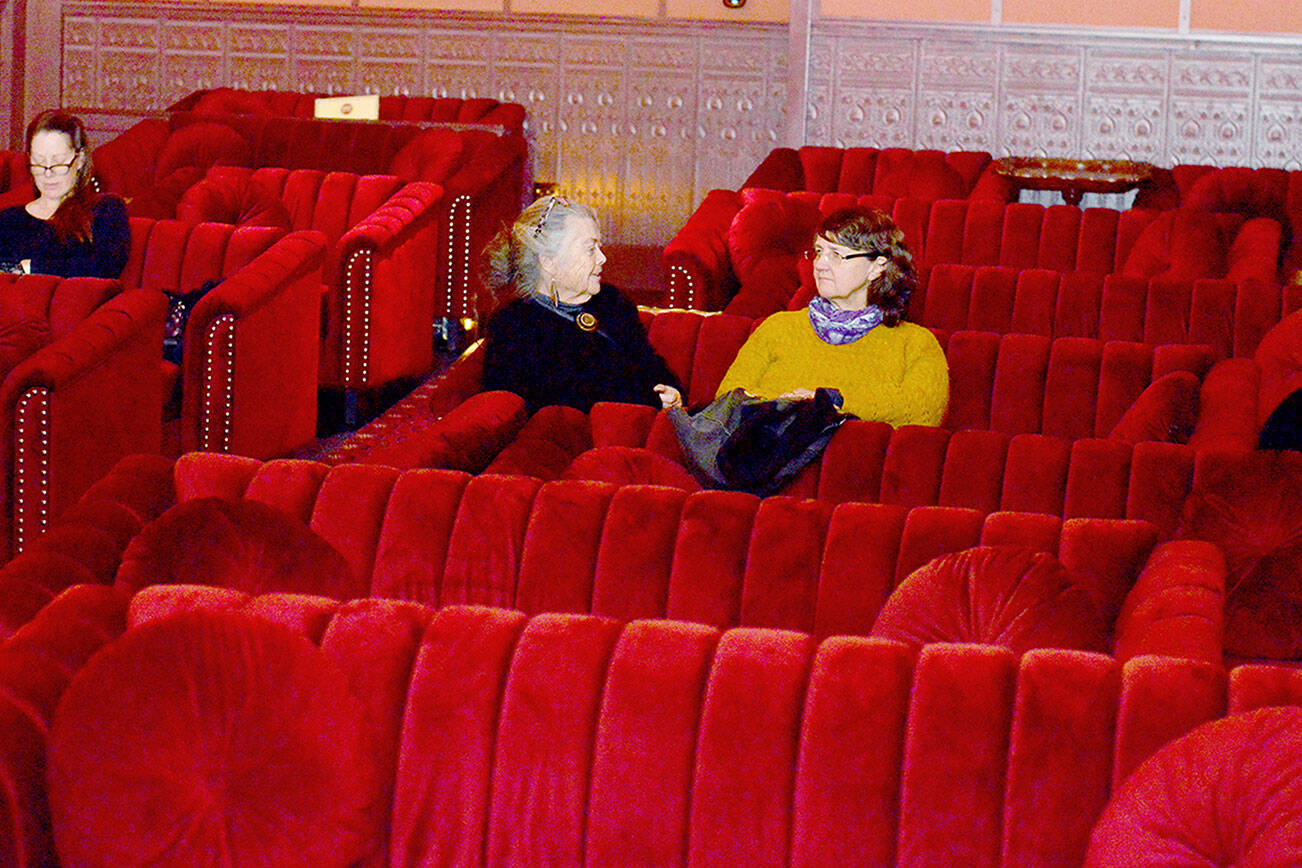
<point>875,233</point>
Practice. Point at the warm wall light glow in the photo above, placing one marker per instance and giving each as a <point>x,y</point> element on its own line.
<point>734,4</point>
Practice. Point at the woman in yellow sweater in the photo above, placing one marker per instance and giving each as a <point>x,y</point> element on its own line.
<point>853,336</point>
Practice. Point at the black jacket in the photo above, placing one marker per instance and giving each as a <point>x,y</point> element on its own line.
<point>546,358</point>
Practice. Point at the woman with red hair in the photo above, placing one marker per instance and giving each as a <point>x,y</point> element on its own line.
<point>68,229</point>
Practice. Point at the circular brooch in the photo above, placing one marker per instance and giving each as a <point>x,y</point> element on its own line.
<point>586,321</point>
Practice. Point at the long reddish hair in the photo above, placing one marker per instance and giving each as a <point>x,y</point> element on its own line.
<point>73,219</point>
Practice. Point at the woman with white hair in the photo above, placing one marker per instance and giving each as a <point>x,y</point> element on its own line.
<point>565,337</point>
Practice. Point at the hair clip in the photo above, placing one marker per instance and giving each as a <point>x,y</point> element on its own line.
<point>542,221</point>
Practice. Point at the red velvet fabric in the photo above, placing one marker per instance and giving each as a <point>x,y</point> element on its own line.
<point>253,735</point>
<point>1166,411</point>
<point>625,465</point>
<point>20,336</point>
<point>646,741</point>
<point>225,199</point>
<point>236,544</point>
<point>998,595</point>
<point>956,756</point>
<point>230,101</point>
<point>1180,244</point>
<point>1228,793</point>
<point>751,721</point>
<point>1250,506</point>
<point>201,145</point>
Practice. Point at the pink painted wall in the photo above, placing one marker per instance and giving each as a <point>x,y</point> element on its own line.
<point>977,11</point>
<point>1162,14</point>
<point>1246,16</point>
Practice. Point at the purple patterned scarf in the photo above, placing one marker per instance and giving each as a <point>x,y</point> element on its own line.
<point>836,326</point>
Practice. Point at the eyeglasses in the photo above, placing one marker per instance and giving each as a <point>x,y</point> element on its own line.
<point>551,203</point>
<point>58,170</point>
<point>836,257</point>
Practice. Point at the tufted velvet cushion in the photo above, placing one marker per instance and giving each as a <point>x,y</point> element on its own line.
<point>20,337</point>
<point>998,595</point>
<point>1180,245</point>
<point>212,738</point>
<point>1166,411</point>
<point>767,237</point>
<point>1250,506</point>
<point>202,145</point>
<point>239,544</point>
<point>238,201</point>
<point>629,465</point>
<point>1227,793</point>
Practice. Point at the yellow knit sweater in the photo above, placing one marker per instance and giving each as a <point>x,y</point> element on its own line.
<point>896,375</point>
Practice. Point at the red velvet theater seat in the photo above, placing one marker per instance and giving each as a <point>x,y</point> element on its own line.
<point>1130,272</point>
<point>474,110</point>
<point>419,736</point>
<point>248,372</point>
<point>1072,427</point>
<point>481,169</point>
<point>1252,192</point>
<point>696,260</point>
<point>73,400</point>
<point>719,558</point>
<point>16,187</point>
<point>384,243</point>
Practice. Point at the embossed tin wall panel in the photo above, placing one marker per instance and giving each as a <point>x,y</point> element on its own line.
<point>1125,102</point>
<point>958,99</point>
<point>644,117</point>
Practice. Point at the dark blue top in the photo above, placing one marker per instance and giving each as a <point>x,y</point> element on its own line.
<point>546,358</point>
<point>23,236</point>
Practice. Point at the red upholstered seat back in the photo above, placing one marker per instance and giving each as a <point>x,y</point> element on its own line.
<point>329,202</point>
<point>473,110</point>
<point>893,172</point>
<point>642,551</point>
<point>59,302</point>
<point>844,750</point>
<point>173,255</point>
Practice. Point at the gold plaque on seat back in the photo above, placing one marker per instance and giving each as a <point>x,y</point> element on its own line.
<point>349,108</point>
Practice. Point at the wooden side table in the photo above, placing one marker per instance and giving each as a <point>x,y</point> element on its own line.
<point>1073,178</point>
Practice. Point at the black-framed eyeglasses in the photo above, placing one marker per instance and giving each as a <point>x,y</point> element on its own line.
<point>58,170</point>
<point>836,256</point>
<point>551,203</point>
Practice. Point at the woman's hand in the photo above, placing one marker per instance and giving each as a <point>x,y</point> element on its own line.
<point>798,394</point>
<point>669,396</point>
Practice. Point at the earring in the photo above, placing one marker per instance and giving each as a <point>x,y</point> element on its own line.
<point>551,287</point>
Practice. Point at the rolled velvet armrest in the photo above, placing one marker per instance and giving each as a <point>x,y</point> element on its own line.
<point>383,228</point>
<point>467,438</point>
<point>251,350</point>
<point>696,260</point>
<point>1176,607</point>
<point>1254,252</point>
<point>83,402</point>
<point>1227,407</point>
